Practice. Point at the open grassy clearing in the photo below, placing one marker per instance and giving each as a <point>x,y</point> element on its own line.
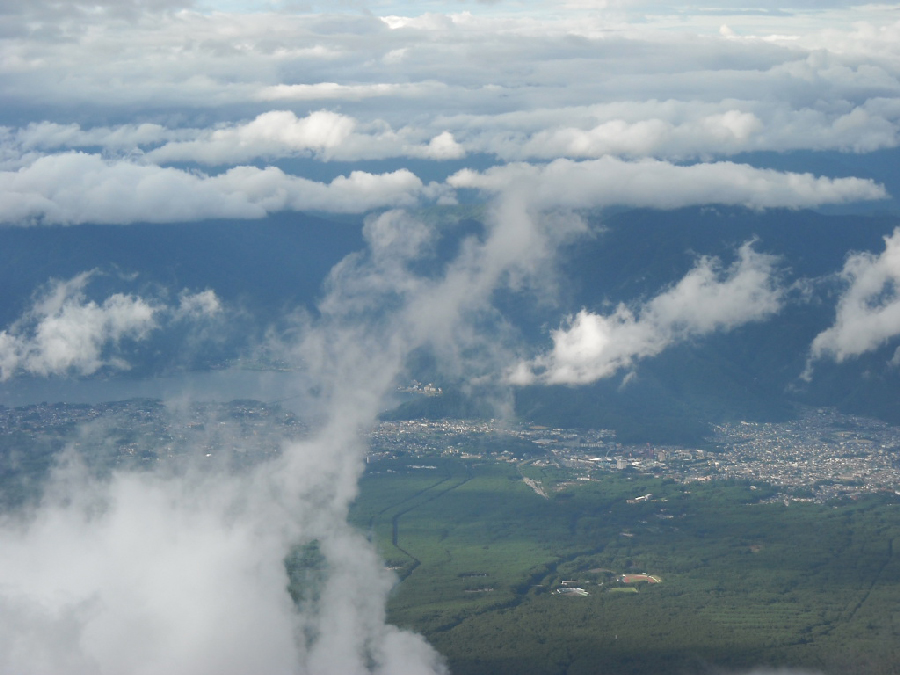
<point>481,555</point>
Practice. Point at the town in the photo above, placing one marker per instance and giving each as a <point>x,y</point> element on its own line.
<point>820,456</point>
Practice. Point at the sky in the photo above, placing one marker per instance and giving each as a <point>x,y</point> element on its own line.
<point>210,103</point>
<point>129,111</point>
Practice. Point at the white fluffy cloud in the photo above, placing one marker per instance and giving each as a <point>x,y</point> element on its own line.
<point>708,299</point>
<point>272,134</point>
<point>412,66</point>
<point>66,333</point>
<point>680,129</point>
<point>868,311</point>
<point>325,91</point>
<point>662,129</point>
<point>48,135</point>
<point>75,188</point>
<point>661,184</point>
<point>322,134</point>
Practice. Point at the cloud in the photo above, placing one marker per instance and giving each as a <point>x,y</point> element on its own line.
<point>722,132</point>
<point>575,83</point>
<point>324,91</point>
<point>707,300</point>
<point>117,9</point>
<point>133,550</point>
<point>126,575</point>
<point>276,133</point>
<point>219,65</point>
<point>442,146</point>
<point>66,333</point>
<point>679,129</point>
<point>194,305</point>
<point>144,573</point>
<point>662,129</point>
<point>868,310</point>
<point>75,188</point>
<point>661,184</point>
<point>48,135</point>
<point>323,134</point>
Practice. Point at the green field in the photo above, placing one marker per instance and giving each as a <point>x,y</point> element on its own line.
<point>480,555</point>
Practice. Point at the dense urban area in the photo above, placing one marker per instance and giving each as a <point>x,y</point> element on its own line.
<point>821,455</point>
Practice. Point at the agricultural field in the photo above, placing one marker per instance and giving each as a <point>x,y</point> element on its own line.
<point>502,577</point>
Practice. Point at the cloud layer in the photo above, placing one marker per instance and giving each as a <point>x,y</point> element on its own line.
<point>74,188</point>
<point>606,82</point>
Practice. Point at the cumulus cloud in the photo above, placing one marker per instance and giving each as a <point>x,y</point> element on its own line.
<point>708,299</point>
<point>129,563</point>
<point>868,310</point>
<point>75,188</point>
<point>66,333</point>
<point>442,146</point>
<point>661,184</point>
<point>680,129</point>
<point>192,305</point>
<point>723,132</point>
<point>48,135</point>
<point>323,134</point>
<point>673,129</point>
<point>275,133</point>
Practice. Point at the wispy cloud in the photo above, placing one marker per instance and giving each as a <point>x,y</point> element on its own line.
<point>126,575</point>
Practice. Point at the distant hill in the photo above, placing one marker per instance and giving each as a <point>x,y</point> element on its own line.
<point>749,373</point>
<point>270,266</point>
<point>266,265</point>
